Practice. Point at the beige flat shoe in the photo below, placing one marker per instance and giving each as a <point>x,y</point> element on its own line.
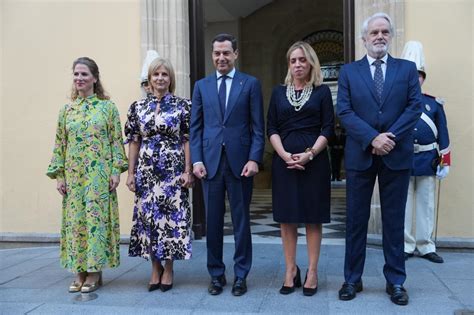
<point>91,287</point>
<point>75,286</point>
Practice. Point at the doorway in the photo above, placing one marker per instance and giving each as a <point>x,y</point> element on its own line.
<point>264,30</point>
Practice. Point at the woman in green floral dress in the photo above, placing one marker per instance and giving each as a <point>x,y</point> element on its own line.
<point>88,159</point>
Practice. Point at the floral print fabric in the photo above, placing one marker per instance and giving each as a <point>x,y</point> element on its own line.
<point>161,215</point>
<point>88,150</point>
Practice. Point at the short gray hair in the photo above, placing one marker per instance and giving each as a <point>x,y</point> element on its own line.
<point>365,25</point>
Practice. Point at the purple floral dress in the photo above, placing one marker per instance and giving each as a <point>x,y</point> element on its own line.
<point>161,216</point>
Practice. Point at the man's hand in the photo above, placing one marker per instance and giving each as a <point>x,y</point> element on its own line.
<point>383,143</point>
<point>250,169</point>
<point>199,170</point>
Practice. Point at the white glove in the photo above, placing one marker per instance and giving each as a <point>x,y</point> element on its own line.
<point>442,171</point>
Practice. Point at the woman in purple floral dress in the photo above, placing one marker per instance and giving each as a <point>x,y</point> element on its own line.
<point>160,173</point>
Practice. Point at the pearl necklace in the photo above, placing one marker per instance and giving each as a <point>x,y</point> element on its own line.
<point>298,102</point>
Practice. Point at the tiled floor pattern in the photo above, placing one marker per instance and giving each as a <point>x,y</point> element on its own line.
<point>265,230</point>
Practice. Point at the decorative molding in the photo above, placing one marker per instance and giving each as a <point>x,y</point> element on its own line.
<point>329,46</point>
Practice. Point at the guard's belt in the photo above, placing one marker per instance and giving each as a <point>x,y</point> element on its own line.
<point>425,147</point>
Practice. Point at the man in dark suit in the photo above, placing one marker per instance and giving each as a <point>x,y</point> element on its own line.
<point>379,103</point>
<point>227,143</point>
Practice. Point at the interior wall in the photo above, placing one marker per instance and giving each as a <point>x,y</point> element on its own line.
<point>40,40</point>
<point>445,28</point>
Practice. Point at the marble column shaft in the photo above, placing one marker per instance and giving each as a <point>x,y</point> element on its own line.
<point>396,10</point>
<point>165,28</point>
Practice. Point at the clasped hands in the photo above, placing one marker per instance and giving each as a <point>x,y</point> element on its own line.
<point>296,161</point>
<point>383,143</point>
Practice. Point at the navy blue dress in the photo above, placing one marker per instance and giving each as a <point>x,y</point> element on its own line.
<point>301,196</point>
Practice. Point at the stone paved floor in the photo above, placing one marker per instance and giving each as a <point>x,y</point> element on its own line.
<point>32,282</point>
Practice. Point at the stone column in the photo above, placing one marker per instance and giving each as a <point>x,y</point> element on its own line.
<point>165,28</point>
<point>396,10</point>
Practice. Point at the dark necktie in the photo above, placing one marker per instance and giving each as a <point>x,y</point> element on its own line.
<point>378,78</point>
<point>222,93</point>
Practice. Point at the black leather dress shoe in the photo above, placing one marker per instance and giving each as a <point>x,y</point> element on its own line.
<point>408,255</point>
<point>398,294</point>
<point>240,287</point>
<point>349,290</point>
<point>217,284</point>
<point>433,257</point>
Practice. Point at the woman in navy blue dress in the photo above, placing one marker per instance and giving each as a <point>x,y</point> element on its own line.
<point>300,122</point>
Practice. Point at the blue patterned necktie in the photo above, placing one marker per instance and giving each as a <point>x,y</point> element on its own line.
<point>222,93</point>
<point>378,78</point>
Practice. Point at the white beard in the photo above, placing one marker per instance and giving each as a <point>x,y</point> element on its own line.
<point>376,51</point>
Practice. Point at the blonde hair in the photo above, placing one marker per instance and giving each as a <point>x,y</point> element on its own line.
<point>158,62</point>
<point>315,76</point>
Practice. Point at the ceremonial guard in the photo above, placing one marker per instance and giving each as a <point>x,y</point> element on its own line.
<point>431,161</point>
<point>150,56</point>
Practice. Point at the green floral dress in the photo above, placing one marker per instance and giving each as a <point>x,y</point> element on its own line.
<point>88,150</point>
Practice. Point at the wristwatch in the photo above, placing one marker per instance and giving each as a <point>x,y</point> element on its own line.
<point>312,151</point>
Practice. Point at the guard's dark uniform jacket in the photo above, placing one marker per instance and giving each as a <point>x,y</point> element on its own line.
<point>430,135</point>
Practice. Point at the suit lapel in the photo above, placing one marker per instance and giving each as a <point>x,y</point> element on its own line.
<point>211,89</point>
<point>390,75</point>
<point>364,70</point>
<point>235,89</point>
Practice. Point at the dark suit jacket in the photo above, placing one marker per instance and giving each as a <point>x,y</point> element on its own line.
<point>364,117</point>
<point>241,130</point>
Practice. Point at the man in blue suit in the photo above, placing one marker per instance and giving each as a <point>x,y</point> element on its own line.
<point>227,143</point>
<point>379,103</point>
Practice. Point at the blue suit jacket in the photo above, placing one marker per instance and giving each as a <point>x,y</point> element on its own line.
<point>364,117</point>
<point>241,130</point>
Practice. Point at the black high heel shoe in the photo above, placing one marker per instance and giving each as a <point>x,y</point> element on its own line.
<point>155,286</point>
<point>296,283</point>
<point>165,287</point>
<point>309,291</point>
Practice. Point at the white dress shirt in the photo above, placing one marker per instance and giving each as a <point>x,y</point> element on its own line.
<point>230,77</point>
